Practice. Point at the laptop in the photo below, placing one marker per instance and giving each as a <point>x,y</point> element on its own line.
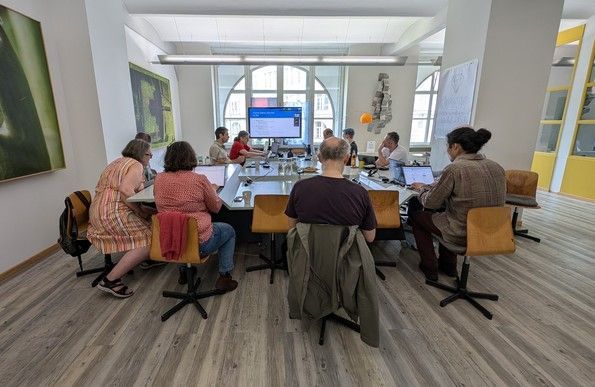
<point>417,174</point>
<point>395,171</point>
<point>214,173</point>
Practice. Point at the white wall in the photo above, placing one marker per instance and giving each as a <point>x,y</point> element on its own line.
<point>30,206</point>
<point>361,88</point>
<point>142,52</point>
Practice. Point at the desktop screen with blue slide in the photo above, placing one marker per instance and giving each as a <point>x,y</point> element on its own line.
<point>275,122</point>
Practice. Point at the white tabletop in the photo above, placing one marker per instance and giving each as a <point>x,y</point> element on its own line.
<point>245,183</point>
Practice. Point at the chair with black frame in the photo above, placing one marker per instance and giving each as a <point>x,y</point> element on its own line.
<point>521,191</point>
<point>489,232</point>
<point>189,257</point>
<point>75,241</point>
<point>386,209</point>
<point>269,217</point>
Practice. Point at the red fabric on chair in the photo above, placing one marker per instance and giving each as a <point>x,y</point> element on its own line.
<point>172,235</point>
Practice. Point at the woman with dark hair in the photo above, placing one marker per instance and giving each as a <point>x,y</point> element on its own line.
<point>240,147</point>
<point>179,189</point>
<point>115,225</point>
<point>470,181</point>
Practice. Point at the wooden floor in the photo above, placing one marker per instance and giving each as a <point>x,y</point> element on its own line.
<point>56,330</point>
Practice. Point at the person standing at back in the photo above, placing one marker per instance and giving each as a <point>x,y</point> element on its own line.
<point>391,150</point>
<point>348,135</point>
<point>343,202</point>
<point>470,181</point>
<point>217,151</point>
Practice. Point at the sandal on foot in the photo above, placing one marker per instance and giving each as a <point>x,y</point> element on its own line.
<point>116,288</point>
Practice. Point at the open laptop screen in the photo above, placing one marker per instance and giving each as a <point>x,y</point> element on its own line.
<point>418,175</point>
<point>215,173</point>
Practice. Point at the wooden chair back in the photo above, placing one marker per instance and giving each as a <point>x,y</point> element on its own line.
<point>269,214</point>
<point>191,250</point>
<point>386,208</point>
<point>298,151</point>
<point>519,182</point>
<point>79,212</point>
<point>489,231</point>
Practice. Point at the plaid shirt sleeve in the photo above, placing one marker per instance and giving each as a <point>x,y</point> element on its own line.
<point>437,194</point>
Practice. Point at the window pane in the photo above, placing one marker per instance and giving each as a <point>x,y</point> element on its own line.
<point>236,106</point>
<point>265,78</point>
<point>588,112</point>
<point>554,105</point>
<point>297,100</point>
<point>418,131</point>
<point>319,126</point>
<point>234,127</point>
<point>322,106</point>
<point>318,86</point>
<point>548,137</point>
<point>592,79</point>
<point>264,100</point>
<point>241,85</point>
<point>227,77</point>
<point>294,78</point>
<point>420,105</point>
<point>426,85</point>
<point>585,141</point>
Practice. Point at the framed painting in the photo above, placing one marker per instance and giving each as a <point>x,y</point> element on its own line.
<point>30,140</point>
<point>151,96</point>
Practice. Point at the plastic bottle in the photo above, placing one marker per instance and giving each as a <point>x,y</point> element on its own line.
<point>353,160</point>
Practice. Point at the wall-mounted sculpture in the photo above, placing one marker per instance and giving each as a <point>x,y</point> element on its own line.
<point>381,105</point>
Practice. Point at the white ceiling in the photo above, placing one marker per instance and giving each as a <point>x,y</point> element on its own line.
<point>573,9</point>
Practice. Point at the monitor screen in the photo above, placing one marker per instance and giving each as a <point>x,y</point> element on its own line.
<point>215,173</point>
<point>275,122</point>
<point>418,175</point>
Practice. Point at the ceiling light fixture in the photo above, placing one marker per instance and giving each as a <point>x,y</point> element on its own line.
<point>282,59</point>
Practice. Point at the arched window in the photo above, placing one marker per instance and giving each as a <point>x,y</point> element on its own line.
<point>424,109</point>
<point>277,85</point>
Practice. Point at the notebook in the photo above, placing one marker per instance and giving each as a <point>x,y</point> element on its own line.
<point>417,174</point>
<point>215,173</point>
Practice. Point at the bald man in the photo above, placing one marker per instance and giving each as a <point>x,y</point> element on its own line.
<point>341,201</point>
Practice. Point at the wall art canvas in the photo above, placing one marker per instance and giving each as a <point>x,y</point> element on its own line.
<point>152,105</point>
<point>30,140</point>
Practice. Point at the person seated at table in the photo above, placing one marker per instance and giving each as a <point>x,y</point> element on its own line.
<point>179,189</point>
<point>391,150</point>
<point>240,147</point>
<point>470,181</point>
<point>217,151</point>
<point>343,203</point>
<point>148,171</point>
<point>115,225</point>
<point>327,133</point>
<point>348,135</point>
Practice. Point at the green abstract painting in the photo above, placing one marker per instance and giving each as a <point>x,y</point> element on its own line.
<point>152,106</point>
<point>30,140</point>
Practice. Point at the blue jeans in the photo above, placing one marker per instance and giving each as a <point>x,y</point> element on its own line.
<point>224,240</point>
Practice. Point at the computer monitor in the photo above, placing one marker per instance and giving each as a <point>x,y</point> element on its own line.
<point>395,171</point>
<point>418,174</point>
<point>215,173</point>
<point>275,122</point>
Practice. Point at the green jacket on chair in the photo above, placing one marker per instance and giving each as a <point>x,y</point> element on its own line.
<point>329,267</point>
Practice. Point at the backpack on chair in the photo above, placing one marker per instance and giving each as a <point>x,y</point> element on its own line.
<point>73,222</point>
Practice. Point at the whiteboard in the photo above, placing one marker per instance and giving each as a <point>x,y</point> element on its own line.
<point>455,98</point>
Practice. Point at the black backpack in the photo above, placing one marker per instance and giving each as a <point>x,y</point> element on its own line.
<point>69,231</point>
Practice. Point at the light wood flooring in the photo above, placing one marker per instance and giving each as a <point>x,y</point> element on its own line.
<point>56,330</point>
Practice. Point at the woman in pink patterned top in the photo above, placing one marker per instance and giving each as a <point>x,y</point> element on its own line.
<point>179,189</point>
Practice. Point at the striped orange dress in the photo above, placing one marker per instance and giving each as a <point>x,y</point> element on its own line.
<point>113,226</point>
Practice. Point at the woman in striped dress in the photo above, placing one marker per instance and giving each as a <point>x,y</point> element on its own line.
<point>116,225</point>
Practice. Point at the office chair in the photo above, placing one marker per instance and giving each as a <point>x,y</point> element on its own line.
<point>78,204</point>
<point>521,191</point>
<point>189,257</point>
<point>269,218</point>
<point>386,209</point>
<point>489,232</point>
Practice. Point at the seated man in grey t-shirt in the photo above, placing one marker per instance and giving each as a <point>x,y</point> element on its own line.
<point>330,198</point>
